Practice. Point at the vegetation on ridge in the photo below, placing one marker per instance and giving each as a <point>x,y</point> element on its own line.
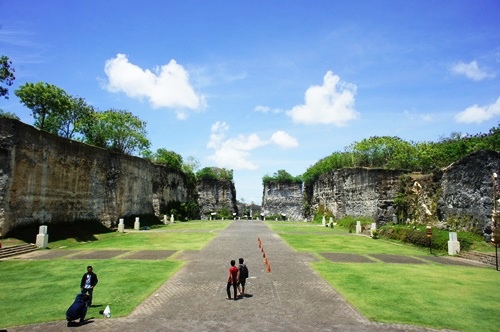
<point>395,153</point>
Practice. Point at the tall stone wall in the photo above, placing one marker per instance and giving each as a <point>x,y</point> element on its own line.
<point>459,196</point>
<point>358,192</point>
<point>48,179</point>
<point>466,190</point>
<point>283,199</point>
<point>213,195</point>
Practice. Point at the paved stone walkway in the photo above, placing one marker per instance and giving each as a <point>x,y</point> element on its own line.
<point>292,297</point>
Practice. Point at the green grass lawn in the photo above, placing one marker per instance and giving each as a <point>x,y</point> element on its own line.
<point>40,291</point>
<point>192,235</point>
<point>439,296</point>
<point>33,291</point>
<point>434,295</point>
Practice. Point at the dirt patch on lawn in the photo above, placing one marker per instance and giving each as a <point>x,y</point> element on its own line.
<point>397,259</point>
<point>46,254</point>
<point>448,260</point>
<point>346,258</point>
<point>98,254</point>
<point>149,254</point>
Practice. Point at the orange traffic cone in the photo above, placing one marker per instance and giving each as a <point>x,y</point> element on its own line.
<point>266,261</point>
<point>269,268</point>
<point>264,254</point>
<point>258,239</point>
<point>262,249</point>
<point>260,245</point>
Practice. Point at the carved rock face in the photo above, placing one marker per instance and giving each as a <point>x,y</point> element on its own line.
<point>47,179</point>
<point>213,195</point>
<point>463,189</point>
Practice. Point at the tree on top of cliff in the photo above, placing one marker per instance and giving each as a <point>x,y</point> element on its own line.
<point>168,158</point>
<point>384,152</point>
<point>281,176</point>
<point>55,110</point>
<point>116,130</point>
<point>215,173</point>
<point>48,104</point>
<point>74,119</point>
<point>394,153</point>
<point>6,75</point>
<point>8,115</point>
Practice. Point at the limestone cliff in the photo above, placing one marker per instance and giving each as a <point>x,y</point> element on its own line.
<point>48,179</point>
<point>215,195</point>
<point>359,192</point>
<point>459,196</point>
<point>284,199</point>
<point>467,190</point>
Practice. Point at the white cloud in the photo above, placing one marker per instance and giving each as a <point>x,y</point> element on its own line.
<point>234,153</point>
<point>284,140</point>
<point>479,114</point>
<point>471,70</point>
<point>427,117</point>
<point>167,87</point>
<point>330,103</point>
<point>267,109</point>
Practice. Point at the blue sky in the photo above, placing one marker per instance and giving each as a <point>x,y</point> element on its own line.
<point>259,86</point>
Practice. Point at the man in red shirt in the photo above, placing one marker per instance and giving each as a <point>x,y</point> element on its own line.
<point>232,280</point>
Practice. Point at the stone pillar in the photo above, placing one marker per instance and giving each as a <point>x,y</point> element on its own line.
<point>42,239</point>
<point>323,221</point>
<point>121,226</point>
<point>453,244</point>
<point>165,220</point>
<point>373,228</point>
<point>172,220</point>
<point>358,227</point>
<point>137,224</point>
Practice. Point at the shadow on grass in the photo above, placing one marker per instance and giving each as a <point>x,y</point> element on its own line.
<point>80,231</point>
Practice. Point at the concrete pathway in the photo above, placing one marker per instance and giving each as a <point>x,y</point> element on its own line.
<point>292,297</point>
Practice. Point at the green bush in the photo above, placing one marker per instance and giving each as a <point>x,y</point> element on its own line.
<point>274,217</point>
<point>224,213</point>
<point>281,176</point>
<point>349,222</point>
<point>417,235</point>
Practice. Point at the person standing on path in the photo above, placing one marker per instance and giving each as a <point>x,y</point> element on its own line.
<point>89,280</point>
<point>232,280</point>
<point>242,277</point>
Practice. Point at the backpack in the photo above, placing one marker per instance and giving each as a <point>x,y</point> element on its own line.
<point>243,271</point>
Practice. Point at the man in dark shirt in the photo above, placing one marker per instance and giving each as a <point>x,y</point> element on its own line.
<point>89,280</point>
<point>78,309</point>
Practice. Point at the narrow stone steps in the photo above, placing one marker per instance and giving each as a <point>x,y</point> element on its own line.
<point>17,250</point>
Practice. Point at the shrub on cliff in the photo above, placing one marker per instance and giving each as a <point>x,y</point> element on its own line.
<point>281,176</point>
<point>215,173</point>
<point>394,153</point>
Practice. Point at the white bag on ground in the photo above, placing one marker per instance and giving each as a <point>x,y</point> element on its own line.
<point>107,312</point>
